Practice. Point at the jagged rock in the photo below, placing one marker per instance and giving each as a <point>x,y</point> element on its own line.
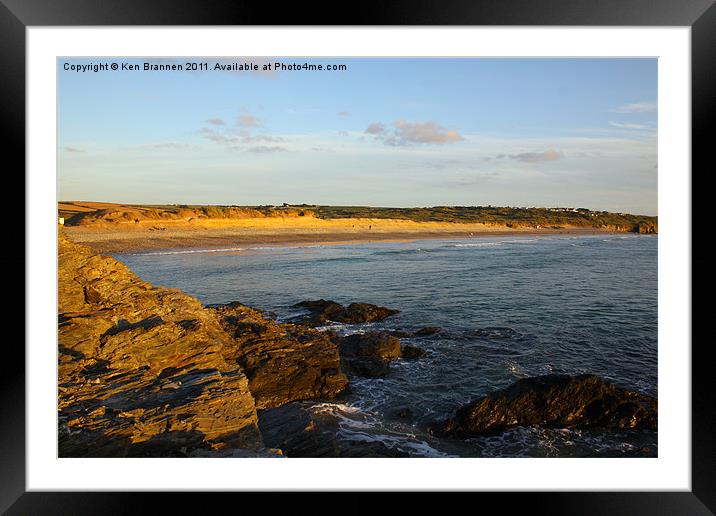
<point>322,312</point>
<point>368,354</point>
<point>556,401</point>
<point>283,362</point>
<point>141,369</point>
<point>299,432</point>
<point>293,429</point>
<point>427,331</point>
<point>410,351</point>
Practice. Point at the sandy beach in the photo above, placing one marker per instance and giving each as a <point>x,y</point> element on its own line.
<point>254,232</point>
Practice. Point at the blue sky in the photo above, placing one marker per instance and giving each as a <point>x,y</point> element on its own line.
<point>383,132</point>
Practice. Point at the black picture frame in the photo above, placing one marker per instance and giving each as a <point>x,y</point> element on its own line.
<point>700,15</point>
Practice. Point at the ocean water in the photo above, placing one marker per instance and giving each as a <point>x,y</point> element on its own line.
<point>509,307</point>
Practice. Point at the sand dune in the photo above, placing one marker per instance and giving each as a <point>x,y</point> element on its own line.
<point>219,233</point>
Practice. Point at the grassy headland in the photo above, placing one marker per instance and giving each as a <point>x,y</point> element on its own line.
<point>108,227</point>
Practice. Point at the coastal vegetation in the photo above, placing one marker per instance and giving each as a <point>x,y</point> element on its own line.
<point>89,213</point>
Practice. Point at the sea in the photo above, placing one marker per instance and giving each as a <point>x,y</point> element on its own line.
<point>509,307</point>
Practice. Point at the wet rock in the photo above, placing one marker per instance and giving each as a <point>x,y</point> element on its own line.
<point>373,344</point>
<point>293,429</point>
<point>134,377</point>
<point>299,432</point>
<point>427,331</point>
<point>410,351</point>
<point>401,334</point>
<point>322,312</point>
<point>368,354</point>
<point>553,401</point>
<point>368,367</point>
<point>283,362</point>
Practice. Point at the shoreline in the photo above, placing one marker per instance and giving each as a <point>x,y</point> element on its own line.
<point>110,240</point>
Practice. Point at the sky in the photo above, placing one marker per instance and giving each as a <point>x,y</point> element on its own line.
<point>381,132</point>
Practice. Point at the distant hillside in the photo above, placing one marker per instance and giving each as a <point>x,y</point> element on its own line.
<point>89,213</point>
<point>92,213</point>
<point>511,217</point>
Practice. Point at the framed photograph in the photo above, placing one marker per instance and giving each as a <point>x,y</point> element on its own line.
<point>422,250</point>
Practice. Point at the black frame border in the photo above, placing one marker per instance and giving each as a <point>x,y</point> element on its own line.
<point>700,15</point>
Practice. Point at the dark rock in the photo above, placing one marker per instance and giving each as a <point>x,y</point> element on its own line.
<point>410,351</point>
<point>283,362</point>
<point>401,334</point>
<point>374,344</point>
<point>368,367</point>
<point>322,312</point>
<point>368,354</point>
<point>365,312</point>
<point>298,432</point>
<point>426,331</point>
<point>293,429</point>
<point>553,401</point>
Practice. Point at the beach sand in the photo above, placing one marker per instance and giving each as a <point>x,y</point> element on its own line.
<point>140,236</point>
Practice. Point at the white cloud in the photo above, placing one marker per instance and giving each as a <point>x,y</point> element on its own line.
<point>637,107</point>
<point>625,125</point>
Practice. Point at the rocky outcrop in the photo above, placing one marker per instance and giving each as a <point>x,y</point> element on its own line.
<point>149,371</point>
<point>556,401</point>
<point>141,369</point>
<point>322,312</point>
<point>283,362</point>
<point>368,354</point>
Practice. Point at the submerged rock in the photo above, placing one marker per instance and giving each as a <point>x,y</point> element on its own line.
<point>283,362</point>
<point>322,312</point>
<point>142,370</point>
<point>556,401</point>
<point>427,331</point>
<point>410,351</point>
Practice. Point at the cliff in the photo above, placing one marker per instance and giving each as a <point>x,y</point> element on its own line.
<point>149,371</point>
